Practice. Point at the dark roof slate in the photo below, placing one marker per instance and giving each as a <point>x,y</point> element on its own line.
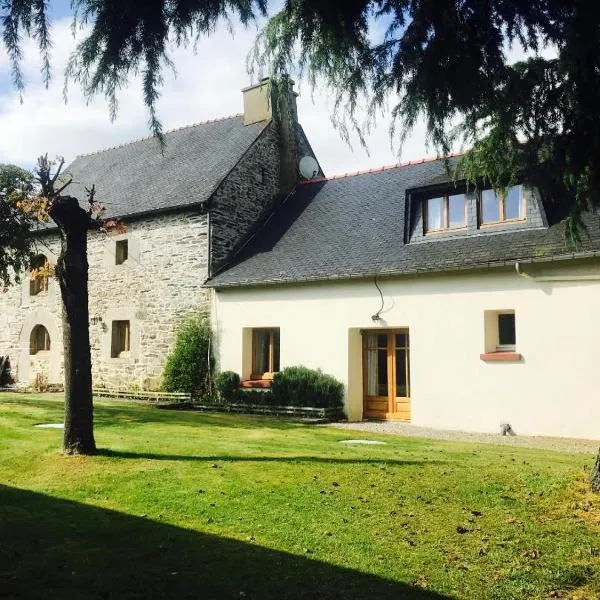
<point>354,227</point>
<point>136,178</point>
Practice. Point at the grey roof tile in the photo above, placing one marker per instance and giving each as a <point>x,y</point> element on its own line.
<point>136,178</point>
<point>354,227</point>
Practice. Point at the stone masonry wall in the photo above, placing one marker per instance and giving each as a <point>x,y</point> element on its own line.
<point>249,190</point>
<point>155,289</point>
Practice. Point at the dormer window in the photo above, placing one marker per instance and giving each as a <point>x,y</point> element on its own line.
<point>445,212</point>
<point>499,206</point>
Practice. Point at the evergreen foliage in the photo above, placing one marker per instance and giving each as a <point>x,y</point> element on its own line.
<point>16,250</point>
<point>227,385</point>
<point>444,61</point>
<point>300,386</point>
<point>189,367</point>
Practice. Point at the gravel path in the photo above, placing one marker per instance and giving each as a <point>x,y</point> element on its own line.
<point>572,445</point>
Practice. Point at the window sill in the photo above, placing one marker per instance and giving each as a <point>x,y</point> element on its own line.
<point>256,383</point>
<point>433,232</point>
<point>500,356</point>
<point>493,224</point>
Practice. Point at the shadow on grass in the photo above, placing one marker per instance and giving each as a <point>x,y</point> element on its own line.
<point>114,414</point>
<point>232,458</point>
<point>52,548</point>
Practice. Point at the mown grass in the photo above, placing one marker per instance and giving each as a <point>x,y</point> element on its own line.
<point>190,505</point>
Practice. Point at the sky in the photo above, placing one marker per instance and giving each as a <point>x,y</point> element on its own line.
<point>207,85</point>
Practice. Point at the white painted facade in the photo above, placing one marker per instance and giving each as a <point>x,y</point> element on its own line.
<point>551,390</point>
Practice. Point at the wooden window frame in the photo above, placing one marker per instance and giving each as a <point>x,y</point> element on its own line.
<point>118,350</point>
<point>33,346</point>
<point>446,214</point>
<point>121,251</point>
<point>272,331</point>
<point>502,208</point>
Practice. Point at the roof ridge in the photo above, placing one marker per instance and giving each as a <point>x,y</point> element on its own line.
<point>142,139</point>
<point>408,163</point>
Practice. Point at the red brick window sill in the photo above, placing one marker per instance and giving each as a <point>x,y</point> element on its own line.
<point>500,356</point>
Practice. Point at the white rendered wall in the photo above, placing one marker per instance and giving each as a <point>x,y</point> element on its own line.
<point>553,390</point>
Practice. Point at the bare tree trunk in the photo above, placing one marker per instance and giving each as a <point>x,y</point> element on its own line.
<point>72,272</point>
<point>595,475</point>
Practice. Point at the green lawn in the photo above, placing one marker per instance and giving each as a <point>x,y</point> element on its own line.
<point>190,505</point>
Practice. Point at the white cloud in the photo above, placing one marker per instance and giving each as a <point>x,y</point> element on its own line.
<point>207,86</point>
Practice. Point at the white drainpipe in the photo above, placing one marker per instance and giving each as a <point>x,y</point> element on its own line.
<point>522,273</point>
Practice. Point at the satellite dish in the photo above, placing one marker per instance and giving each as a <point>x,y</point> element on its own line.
<point>309,167</point>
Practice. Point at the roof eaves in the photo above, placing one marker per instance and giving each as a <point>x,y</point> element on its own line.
<point>483,265</point>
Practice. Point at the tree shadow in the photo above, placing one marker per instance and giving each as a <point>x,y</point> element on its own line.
<point>233,458</point>
<point>52,548</point>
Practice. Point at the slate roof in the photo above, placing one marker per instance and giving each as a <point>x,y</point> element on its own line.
<point>354,227</point>
<point>136,178</point>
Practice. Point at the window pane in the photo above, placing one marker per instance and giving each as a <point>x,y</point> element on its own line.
<point>490,207</point>
<point>435,213</point>
<point>275,351</point>
<point>371,364</point>
<point>261,352</point>
<point>382,374</point>
<point>456,210</point>
<point>401,378</point>
<point>382,340</point>
<point>512,203</point>
<point>506,330</point>
<point>401,340</point>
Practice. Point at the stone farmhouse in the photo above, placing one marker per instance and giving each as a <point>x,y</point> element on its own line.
<point>186,211</point>
<point>432,303</point>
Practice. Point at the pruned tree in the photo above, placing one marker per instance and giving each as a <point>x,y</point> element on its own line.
<point>47,201</point>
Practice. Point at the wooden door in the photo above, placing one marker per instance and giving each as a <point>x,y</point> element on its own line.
<point>386,374</point>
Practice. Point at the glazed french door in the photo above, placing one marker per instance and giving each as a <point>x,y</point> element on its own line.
<point>386,374</point>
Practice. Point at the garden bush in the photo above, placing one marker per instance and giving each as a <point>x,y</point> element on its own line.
<point>300,386</point>
<point>259,397</point>
<point>189,367</point>
<point>227,385</point>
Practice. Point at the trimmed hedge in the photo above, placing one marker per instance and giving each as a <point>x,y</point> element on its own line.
<point>300,386</point>
<point>259,397</point>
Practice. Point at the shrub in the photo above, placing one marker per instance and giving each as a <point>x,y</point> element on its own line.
<point>259,397</point>
<point>189,367</point>
<point>227,385</point>
<point>299,386</point>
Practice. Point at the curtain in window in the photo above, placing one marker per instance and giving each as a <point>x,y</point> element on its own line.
<point>435,213</point>
<point>372,364</point>
<point>261,352</point>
